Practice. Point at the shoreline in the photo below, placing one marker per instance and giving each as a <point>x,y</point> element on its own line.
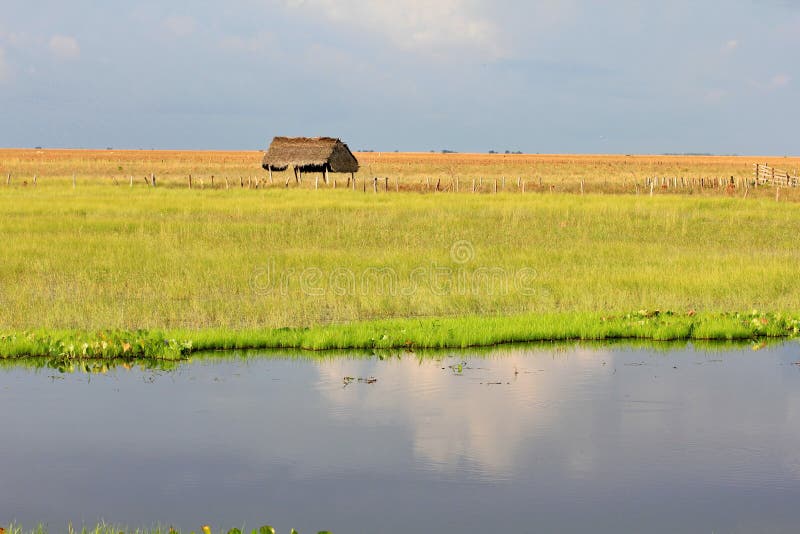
<point>400,333</point>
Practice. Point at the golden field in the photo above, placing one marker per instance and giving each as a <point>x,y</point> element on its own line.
<point>405,171</point>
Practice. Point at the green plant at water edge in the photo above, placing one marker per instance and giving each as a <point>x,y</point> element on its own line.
<point>406,334</point>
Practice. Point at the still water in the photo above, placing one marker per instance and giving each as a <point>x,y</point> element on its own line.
<point>553,439</point>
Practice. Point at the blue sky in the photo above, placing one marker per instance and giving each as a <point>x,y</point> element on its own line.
<point>465,75</point>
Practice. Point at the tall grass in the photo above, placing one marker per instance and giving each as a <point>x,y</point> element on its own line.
<point>168,260</point>
<point>101,257</point>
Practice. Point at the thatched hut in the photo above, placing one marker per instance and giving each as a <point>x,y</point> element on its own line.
<point>309,154</point>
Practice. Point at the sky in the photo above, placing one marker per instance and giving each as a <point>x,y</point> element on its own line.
<point>540,76</point>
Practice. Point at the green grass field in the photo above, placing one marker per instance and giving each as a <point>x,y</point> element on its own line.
<point>242,262</point>
<point>103,257</point>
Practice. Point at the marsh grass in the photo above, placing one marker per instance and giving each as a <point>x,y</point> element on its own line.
<point>66,348</point>
<point>108,258</point>
<point>164,266</point>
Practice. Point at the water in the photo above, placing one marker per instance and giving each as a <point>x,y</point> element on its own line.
<point>565,439</point>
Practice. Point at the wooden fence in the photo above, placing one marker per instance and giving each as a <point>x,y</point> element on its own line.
<point>765,174</point>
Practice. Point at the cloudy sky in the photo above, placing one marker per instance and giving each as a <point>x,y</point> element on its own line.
<point>468,75</point>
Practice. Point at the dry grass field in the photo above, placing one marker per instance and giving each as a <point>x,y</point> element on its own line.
<point>708,175</point>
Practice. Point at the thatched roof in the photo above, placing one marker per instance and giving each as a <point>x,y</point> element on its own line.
<point>312,154</point>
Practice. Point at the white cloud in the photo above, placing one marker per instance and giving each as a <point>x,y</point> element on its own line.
<point>731,45</point>
<point>778,81</point>
<point>180,25</point>
<point>715,95</point>
<point>64,47</point>
<point>435,28</point>
<point>14,39</point>
<point>259,43</point>
<point>5,70</point>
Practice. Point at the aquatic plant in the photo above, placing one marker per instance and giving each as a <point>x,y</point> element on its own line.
<point>64,349</point>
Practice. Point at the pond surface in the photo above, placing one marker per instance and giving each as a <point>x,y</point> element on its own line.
<point>563,439</point>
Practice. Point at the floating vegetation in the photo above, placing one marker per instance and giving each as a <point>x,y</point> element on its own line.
<point>350,379</point>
